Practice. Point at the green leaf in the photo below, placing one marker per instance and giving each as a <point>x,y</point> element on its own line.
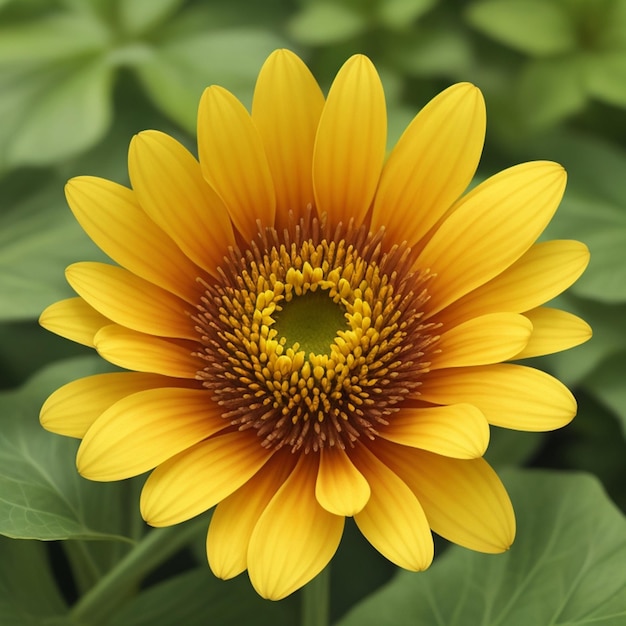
<point>52,38</point>
<point>536,27</point>
<point>399,14</point>
<point>43,496</point>
<point>607,385</point>
<point>325,23</point>
<point>566,567</point>
<point>197,598</point>
<point>70,112</point>
<point>139,16</point>
<point>605,76</point>
<point>28,593</point>
<point>550,90</point>
<point>179,70</point>
<point>39,237</point>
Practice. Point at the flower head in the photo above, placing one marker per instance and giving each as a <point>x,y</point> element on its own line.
<point>314,331</point>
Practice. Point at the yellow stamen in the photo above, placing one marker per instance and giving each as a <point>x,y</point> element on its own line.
<point>360,319</point>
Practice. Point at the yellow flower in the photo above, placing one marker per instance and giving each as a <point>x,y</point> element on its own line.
<point>313,331</point>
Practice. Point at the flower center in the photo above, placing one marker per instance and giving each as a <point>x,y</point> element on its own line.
<point>313,341</point>
<point>311,321</point>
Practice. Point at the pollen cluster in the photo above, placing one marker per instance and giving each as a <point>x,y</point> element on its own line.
<point>302,398</point>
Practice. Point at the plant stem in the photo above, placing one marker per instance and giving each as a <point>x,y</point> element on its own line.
<point>85,570</point>
<point>95,607</point>
<point>316,600</point>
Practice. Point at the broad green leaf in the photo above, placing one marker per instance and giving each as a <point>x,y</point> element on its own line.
<point>43,496</point>
<point>566,567</point>
<point>550,90</point>
<point>39,237</point>
<point>605,76</point>
<point>536,27</point>
<point>28,593</point>
<point>67,115</point>
<point>324,23</point>
<point>179,70</point>
<point>607,384</point>
<point>54,37</point>
<point>197,598</point>
<point>139,16</point>
<point>400,13</point>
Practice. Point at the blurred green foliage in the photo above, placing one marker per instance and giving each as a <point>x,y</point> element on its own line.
<point>520,587</point>
<point>79,77</point>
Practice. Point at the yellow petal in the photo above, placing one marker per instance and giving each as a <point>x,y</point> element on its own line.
<point>490,229</point>
<point>491,338</point>
<point>459,430</point>
<point>350,143</point>
<point>236,516</point>
<point>553,331</point>
<point>144,429</point>
<point>286,109</point>
<point>542,273</point>
<point>393,520</point>
<point>170,187</point>
<point>131,301</point>
<point>431,165</point>
<point>110,215</point>
<point>73,408</point>
<point>200,477</point>
<point>144,353</point>
<point>512,396</point>
<point>464,500</point>
<point>233,161</point>
<point>295,537</point>
<point>73,319</point>
<point>340,487</point>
